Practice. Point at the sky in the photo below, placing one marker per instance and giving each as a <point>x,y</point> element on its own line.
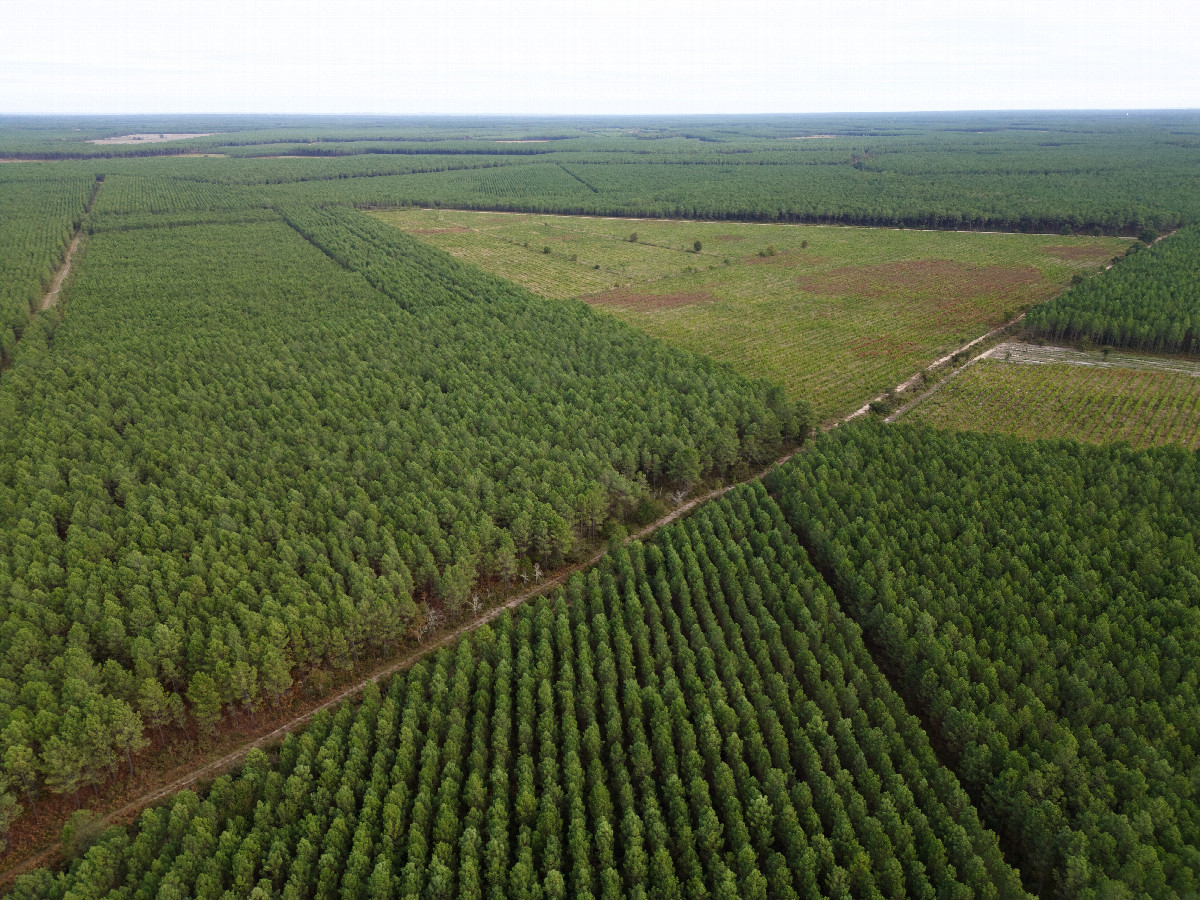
<point>412,57</point>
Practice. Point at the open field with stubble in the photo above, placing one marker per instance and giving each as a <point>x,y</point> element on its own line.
<point>836,315</point>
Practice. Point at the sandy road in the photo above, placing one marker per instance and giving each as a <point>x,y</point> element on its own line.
<point>60,276</point>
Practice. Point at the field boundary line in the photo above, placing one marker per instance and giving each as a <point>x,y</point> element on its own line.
<point>909,382</point>
<point>556,215</point>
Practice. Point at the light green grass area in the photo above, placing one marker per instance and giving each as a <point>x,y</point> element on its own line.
<point>835,315</point>
<point>1086,402</point>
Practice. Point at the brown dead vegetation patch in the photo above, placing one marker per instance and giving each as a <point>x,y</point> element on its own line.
<point>454,229</point>
<point>940,278</point>
<point>1085,252</point>
<point>726,238</point>
<point>883,346</point>
<point>625,299</point>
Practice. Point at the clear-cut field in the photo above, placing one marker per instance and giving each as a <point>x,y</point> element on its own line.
<point>1049,393</point>
<point>835,315</point>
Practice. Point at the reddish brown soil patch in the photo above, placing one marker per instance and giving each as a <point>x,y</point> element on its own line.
<point>726,238</point>
<point>631,300</point>
<point>457,229</point>
<point>939,278</point>
<point>882,346</point>
<point>1084,252</point>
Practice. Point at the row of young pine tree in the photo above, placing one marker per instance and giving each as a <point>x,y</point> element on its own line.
<point>38,216</point>
<point>1148,301</point>
<point>1038,605</point>
<point>694,718</point>
<point>236,462</point>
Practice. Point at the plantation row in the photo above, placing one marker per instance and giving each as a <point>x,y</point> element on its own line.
<point>1073,171</point>
<point>251,172</point>
<point>38,216</point>
<point>218,475</point>
<point>1037,602</point>
<point>1083,402</point>
<point>1151,301</point>
<point>143,195</point>
<point>694,718</point>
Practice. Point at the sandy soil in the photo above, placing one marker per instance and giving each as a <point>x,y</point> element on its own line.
<point>51,297</point>
<point>157,138</point>
<point>1020,353</point>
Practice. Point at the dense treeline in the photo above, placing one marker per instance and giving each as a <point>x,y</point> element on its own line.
<point>1151,301</point>
<point>236,460</point>
<point>38,215</point>
<point>1038,604</point>
<point>1038,172</point>
<point>695,718</point>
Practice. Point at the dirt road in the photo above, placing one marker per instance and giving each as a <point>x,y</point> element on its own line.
<point>60,276</point>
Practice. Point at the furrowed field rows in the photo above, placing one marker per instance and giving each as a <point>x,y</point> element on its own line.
<point>835,315</point>
<point>1085,402</point>
<point>140,195</point>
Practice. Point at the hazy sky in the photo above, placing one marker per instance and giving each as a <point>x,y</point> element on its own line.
<point>615,56</point>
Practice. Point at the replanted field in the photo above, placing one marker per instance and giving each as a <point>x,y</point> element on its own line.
<point>1089,401</point>
<point>695,717</point>
<point>835,315</point>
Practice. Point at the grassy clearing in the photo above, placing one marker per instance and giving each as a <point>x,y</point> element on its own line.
<point>835,315</point>
<point>1064,399</point>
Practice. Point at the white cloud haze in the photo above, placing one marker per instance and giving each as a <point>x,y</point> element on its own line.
<point>618,56</point>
